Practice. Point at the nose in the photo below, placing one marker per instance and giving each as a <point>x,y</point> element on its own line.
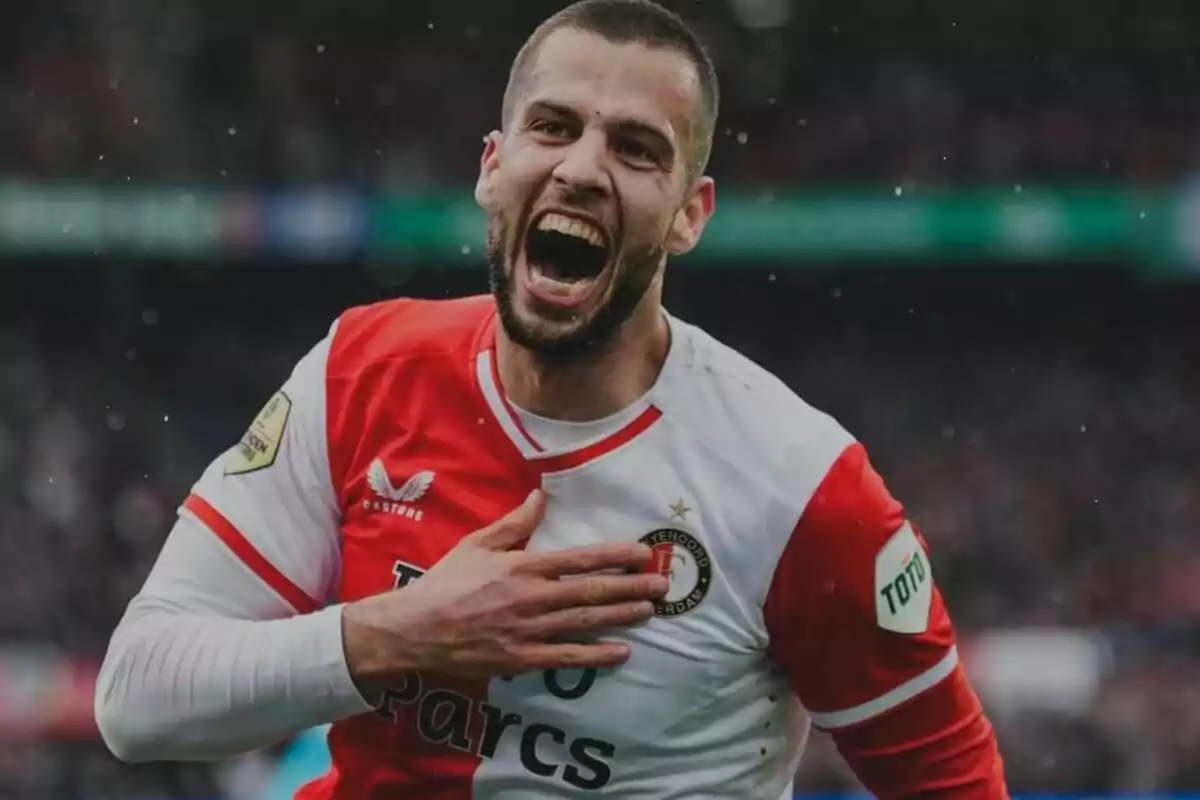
<point>582,168</point>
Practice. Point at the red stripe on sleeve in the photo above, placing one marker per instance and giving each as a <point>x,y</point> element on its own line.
<point>236,541</point>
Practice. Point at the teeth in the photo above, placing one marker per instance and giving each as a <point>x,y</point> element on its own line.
<point>571,227</point>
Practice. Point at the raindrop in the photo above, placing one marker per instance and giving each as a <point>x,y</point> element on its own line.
<point>899,190</point>
<point>232,131</point>
<point>116,422</point>
<point>466,249</point>
<point>320,48</point>
<point>150,316</point>
<point>742,137</point>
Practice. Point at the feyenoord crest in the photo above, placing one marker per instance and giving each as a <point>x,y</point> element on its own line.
<point>683,560</point>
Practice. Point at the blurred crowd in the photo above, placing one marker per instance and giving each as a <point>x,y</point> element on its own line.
<point>398,96</point>
<point>1044,433</point>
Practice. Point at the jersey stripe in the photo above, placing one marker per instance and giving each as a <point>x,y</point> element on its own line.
<point>497,404</point>
<point>529,448</point>
<point>236,541</point>
<point>577,458</point>
<point>829,720</point>
<point>508,409</point>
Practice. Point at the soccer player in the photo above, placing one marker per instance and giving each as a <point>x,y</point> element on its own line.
<point>554,542</point>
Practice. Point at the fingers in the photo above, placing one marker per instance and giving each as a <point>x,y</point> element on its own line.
<point>577,656</point>
<point>599,590</point>
<point>593,558</point>
<point>589,619</point>
<point>514,528</point>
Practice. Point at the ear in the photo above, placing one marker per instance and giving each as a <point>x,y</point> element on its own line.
<point>489,162</point>
<point>689,221</point>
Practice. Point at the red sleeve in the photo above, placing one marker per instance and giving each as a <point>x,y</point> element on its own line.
<point>861,630</point>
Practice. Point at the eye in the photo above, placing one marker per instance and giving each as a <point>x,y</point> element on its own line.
<point>634,150</point>
<point>550,127</point>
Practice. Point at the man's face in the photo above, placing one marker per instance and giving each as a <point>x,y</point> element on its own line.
<point>587,190</point>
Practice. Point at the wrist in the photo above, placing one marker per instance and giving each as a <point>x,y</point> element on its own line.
<point>363,652</point>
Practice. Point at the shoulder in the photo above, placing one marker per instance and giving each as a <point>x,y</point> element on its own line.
<point>729,404</point>
<point>405,328</point>
<point>818,474</point>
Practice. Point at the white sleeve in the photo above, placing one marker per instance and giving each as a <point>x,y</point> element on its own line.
<point>230,646</point>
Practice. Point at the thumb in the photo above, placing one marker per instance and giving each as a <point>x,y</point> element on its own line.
<point>517,526</point>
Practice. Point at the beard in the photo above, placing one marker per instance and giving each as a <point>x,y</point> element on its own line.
<point>631,278</point>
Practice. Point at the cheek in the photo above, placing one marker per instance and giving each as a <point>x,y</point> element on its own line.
<point>650,208</point>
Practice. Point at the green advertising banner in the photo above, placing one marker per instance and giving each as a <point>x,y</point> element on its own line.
<point>1155,230</point>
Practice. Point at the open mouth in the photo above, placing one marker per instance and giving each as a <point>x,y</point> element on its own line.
<point>565,256</point>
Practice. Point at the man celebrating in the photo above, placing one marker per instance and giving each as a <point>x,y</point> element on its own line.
<point>699,565</point>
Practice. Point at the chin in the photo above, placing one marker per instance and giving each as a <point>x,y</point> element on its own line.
<point>546,329</point>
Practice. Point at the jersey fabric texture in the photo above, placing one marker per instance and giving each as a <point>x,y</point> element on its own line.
<point>800,594</point>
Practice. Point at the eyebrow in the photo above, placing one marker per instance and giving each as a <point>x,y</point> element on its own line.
<point>625,125</point>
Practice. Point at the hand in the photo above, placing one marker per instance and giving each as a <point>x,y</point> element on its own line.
<point>487,610</point>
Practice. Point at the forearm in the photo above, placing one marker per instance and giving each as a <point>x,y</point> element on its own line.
<point>938,745</point>
<point>183,686</point>
<point>209,662</point>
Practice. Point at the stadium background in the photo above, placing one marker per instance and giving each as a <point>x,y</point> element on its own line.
<point>966,229</point>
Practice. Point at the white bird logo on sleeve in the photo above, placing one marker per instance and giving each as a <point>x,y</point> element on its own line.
<point>413,489</point>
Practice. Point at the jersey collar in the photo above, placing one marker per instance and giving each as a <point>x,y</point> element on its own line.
<point>548,460</point>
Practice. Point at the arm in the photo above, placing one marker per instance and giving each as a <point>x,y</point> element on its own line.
<point>227,648</point>
<point>861,630</point>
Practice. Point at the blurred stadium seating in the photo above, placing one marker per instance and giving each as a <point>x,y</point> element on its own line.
<point>971,233</point>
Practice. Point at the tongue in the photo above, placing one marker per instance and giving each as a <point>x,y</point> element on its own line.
<point>548,285</point>
<point>553,271</point>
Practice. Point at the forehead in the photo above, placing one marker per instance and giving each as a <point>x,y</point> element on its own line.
<point>658,85</point>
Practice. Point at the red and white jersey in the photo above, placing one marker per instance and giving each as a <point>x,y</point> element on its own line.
<point>799,593</point>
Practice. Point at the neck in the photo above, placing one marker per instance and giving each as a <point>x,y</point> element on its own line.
<point>594,388</point>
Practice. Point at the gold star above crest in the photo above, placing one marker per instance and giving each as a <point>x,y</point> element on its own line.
<point>679,510</point>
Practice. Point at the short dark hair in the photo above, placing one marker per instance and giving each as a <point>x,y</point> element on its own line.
<point>627,21</point>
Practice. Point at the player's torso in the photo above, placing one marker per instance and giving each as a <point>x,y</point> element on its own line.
<point>696,712</point>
